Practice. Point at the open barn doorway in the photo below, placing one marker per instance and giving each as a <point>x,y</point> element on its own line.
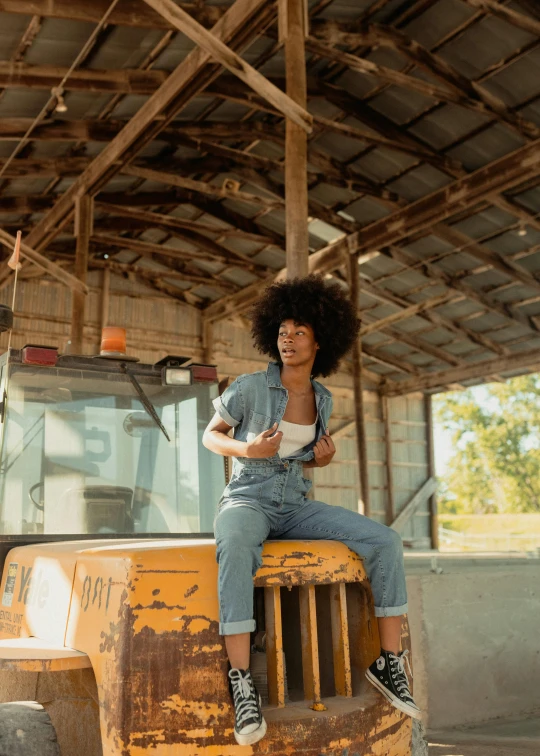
<point>487,458</point>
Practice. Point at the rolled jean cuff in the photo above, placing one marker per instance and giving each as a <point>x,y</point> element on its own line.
<point>391,611</point>
<point>234,628</point>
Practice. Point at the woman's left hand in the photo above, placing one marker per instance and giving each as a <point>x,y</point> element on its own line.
<point>324,450</point>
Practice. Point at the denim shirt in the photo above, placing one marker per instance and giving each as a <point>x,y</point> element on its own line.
<point>253,403</point>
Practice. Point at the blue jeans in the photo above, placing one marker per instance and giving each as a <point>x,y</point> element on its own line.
<point>267,501</point>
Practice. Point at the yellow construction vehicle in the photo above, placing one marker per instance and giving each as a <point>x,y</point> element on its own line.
<point>109,637</point>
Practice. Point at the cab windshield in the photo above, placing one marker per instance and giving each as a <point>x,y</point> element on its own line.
<point>81,455</point>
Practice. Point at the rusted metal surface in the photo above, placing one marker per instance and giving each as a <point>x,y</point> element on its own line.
<point>316,562</point>
<point>310,645</point>
<point>274,646</point>
<point>340,640</point>
<point>146,614</point>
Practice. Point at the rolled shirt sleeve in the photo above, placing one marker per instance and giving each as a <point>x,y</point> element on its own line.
<point>230,405</point>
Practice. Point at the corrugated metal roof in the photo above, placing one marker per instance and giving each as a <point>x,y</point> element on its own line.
<point>493,55</point>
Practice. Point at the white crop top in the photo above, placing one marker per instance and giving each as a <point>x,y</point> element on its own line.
<point>295,436</point>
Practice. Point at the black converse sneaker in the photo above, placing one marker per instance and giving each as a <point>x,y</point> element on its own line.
<point>249,724</point>
<point>387,673</point>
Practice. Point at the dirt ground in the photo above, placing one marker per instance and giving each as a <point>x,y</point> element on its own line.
<point>519,738</point>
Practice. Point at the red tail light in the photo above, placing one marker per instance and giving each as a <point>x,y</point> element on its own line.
<point>39,355</point>
<point>204,373</point>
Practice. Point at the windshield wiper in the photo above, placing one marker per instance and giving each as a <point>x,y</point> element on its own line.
<point>146,403</point>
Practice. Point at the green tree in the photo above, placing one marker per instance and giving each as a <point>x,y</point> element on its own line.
<point>496,463</point>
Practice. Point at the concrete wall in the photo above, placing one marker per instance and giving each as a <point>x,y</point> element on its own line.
<point>475,637</point>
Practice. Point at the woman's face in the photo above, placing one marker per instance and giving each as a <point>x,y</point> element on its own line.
<point>296,344</point>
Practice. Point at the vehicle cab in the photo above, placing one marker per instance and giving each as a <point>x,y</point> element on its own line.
<point>109,584</point>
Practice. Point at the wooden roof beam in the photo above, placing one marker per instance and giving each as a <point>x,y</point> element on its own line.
<point>32,203</point>
<point>241,23</point>
<point>220,52</point>
<point>361,110</point>
<point>133,13</point>
<point>409,311</point>
<point>128,81</point>
<point>148,249</point>
<point>13,129</point>
<point>447,93</point>
<point>529,360</point>
<point>435,318</point>
<point>500,175</point>
<point>431,271</point>
<point>212,190</point>
<point>520,20</point>
<point>375,35</point>
<point>151,274</point>
<point>170,222</point>
<point>388,360</point>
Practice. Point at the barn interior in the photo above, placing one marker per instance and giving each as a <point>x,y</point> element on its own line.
<point>162,175</point>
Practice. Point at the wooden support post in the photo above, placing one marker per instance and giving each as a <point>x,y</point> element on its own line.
<point>310,644</point>
<point>390,506</point>
<point>84,213</point>
<point>212,44</point>
<point>207,341</point>
<point>274,646</point>
<point>356,354</point>
<point>433,512</point>
<point>340,639</point>
<point>292,28</point>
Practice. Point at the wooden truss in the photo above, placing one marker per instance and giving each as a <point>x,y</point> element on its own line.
<point>261,157</point>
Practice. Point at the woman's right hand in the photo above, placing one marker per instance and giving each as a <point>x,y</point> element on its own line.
<point>266,444</point>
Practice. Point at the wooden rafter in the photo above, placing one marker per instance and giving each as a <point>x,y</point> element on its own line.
<point>169,222</point>
<point>134,13</point>
<point>132,270</point>
<point>217,192</point>
<point>449,92</point>
<point>502,174</point>
<point>456,283</point>
<point>214,46</point>
<point>466,93</point>
<point>242,22</point>
<point>529,360</point>
<point>520,20</point>
<point>259,170</point>
<point>408,312</point>
<point>148,249</point>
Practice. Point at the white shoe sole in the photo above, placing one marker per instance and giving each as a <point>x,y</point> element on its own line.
<point>251,737</point>
<point>406,708</point>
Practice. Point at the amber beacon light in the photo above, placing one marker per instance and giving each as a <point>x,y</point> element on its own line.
<point>113,342</point>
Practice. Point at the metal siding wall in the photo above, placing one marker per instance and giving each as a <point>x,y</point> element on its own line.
<point>408,433</point>
<point>155,326</point>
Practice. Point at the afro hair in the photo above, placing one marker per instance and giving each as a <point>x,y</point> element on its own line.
<point>312,301</point>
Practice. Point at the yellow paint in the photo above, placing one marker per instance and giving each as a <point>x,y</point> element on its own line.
<point>340,744</point>
<point>146,614</point>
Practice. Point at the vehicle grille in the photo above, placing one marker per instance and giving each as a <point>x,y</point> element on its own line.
<point>325,635</point>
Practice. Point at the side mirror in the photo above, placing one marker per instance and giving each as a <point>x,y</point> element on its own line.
<point>6,318</point>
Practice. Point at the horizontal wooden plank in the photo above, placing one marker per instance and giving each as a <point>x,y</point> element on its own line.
<point>127,13</point>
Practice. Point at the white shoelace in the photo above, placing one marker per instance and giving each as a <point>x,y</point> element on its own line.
<point>402,682</point>
<point>244,696</point>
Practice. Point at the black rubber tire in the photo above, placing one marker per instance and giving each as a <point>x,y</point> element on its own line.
<point>26,730</point>
<point>6,318</point>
